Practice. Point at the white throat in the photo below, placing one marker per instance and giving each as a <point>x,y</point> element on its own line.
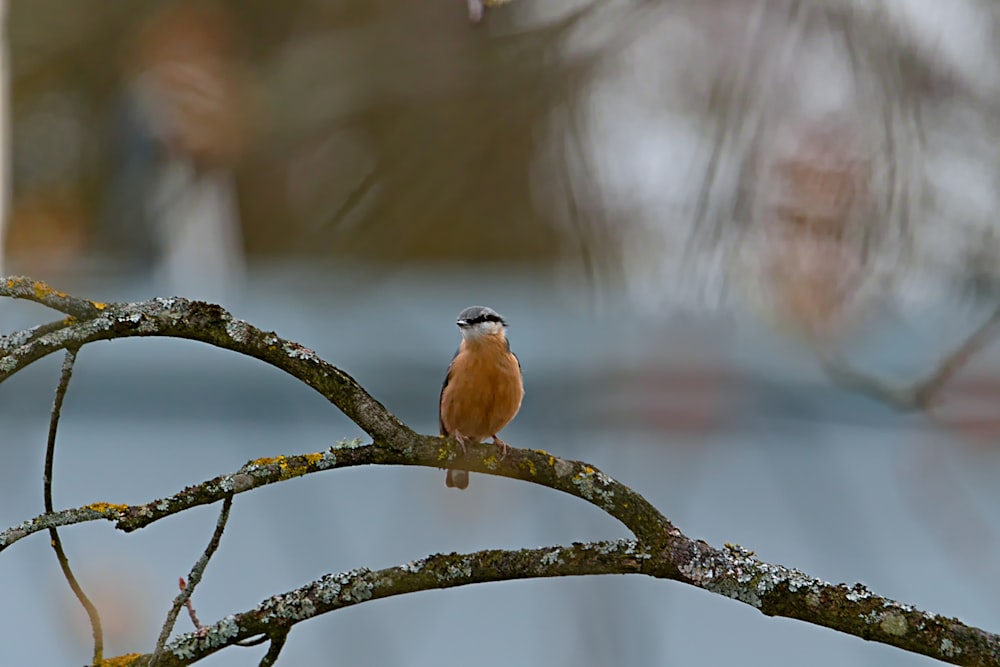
<point>482,329</point>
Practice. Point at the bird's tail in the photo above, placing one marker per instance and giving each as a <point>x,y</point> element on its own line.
<point>456,479</point>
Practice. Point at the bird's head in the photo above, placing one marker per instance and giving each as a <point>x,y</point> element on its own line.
<point>478,321</point>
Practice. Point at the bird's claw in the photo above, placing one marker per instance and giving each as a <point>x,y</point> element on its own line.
<point>503,446</point>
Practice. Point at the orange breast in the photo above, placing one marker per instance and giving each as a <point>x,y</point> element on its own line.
<point>484,390</point>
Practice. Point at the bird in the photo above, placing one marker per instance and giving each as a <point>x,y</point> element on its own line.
<point>483,389</point>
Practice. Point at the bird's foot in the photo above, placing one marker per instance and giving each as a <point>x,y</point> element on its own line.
<point>503,445</point>
<point>461,442</point>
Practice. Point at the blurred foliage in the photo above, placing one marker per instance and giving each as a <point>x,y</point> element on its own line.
<point>379,130</point>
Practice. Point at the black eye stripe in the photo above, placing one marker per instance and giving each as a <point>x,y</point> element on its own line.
<point>485,318</point>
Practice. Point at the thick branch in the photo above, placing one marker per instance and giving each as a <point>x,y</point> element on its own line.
<point>192,320</point>
<point>336,591</point>
<point>732,572</point>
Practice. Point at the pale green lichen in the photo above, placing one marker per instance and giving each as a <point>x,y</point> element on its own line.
<point>858,593</point>
<point>459,570</point>
<point>552,558</point>
<point>292,607</point>
<point>949,650</point>
<point>414,565</point>
<point>296,351</point>
<point>238,331</point>
<point>632,549</point>
<point>354,585</point>
<point>894,623</point>
<point>187,645</point>
<point>592,486</point>
<point>359,591</point>
<point>344,443</point>
<point>328,591</point>
<point>742,577</point>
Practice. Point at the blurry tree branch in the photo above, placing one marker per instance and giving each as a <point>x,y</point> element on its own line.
<point>924,394</point>
<point>659,549</point>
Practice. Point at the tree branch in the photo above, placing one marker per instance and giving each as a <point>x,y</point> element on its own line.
<point>573,477</point>
<point>191,320</point>
<point>50,450</point>
<point>922,395</point>
<point>733,572</point>
<point>274,650</point>
<point>194,577</point>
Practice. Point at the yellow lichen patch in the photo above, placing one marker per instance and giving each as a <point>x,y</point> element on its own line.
<point>69,319</point>
<point>552,460</point>
<point>313,459</point>
<point>540,451</point>
<point>530,467</point>
<point>490,462</point>
<point>266,461</point>
<point>10,283</point>
<point>287,471</point>
<point>442,454</point>
<point>99,305</point>
<point>121,660</point>
<point>108,508</point>
<point>41,290</point>
<point>588,470</point>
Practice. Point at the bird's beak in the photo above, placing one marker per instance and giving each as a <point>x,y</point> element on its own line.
<point>461,323</point>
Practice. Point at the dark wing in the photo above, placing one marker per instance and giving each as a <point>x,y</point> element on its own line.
<point>512,354</point>
<point>447,377</point>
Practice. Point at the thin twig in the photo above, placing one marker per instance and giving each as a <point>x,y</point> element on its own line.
<point>277,643</point>
<point>190,608</point>
<point>26,336</point>
<point>92,613</point>
<point>194,577</point>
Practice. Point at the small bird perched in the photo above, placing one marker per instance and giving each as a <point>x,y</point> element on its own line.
<point>482,391</point>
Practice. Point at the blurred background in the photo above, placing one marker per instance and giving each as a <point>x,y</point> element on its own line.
<point>678,204</point>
